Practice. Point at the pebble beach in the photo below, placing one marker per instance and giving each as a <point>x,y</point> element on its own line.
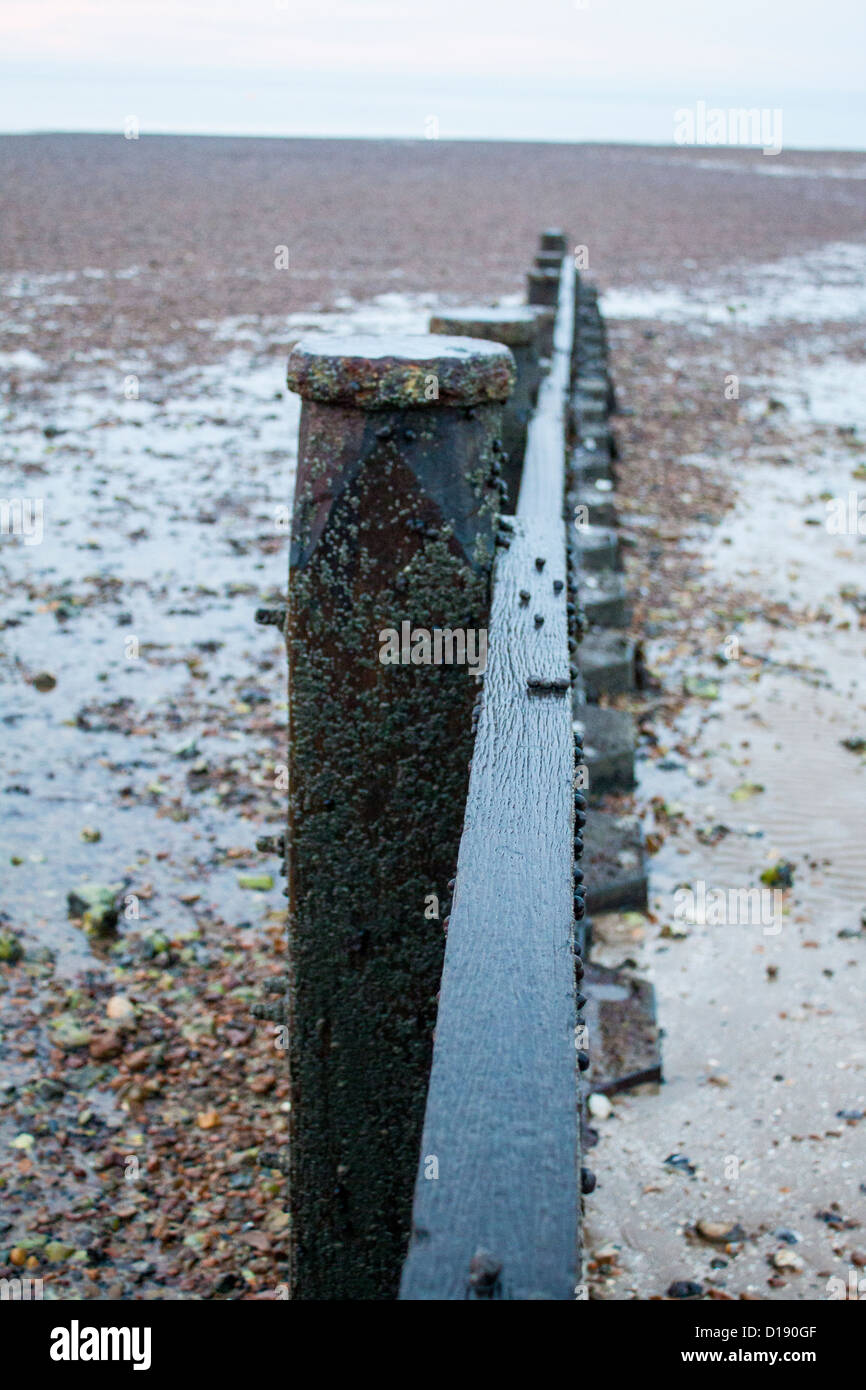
<point>150,291</point>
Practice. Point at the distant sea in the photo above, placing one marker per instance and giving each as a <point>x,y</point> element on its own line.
<point>231,102</point>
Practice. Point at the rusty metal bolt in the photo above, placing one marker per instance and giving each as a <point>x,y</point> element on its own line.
<point>277,985</point>
<point>537,685</point>
<point>484,1273</point>
<point>274,1013</point>
<point>271,844</point>
<point>271,617</point>
<point>269,1159</point>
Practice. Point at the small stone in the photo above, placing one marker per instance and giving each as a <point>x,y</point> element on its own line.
<point>257,883</point>
<point>69,1033</point>
<point>779,875</point>
<point>787,1261</point>
<point>56,1251</point>
<point>719,1232</point>
<point>681,1163</point>
<point>187,749</point>
<point>208,1119</point>
<point>11,949</point>
<point>261,1084</point>
<point>44,680</point>
<point>120,1009</point>
<point>96,905</point>
<point>607,1255</point>
<point>599,1106</point>
<point>685,1288</point>
<point>105,1046</point>
<point>703,689</point>
<point>90,835</point>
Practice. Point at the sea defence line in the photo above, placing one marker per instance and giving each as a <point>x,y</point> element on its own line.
<point>436,814</point>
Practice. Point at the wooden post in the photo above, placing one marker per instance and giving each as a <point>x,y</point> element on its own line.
<point>393,536</point>
<point>553,239</point>
<point>542,287</point>
<point>542,284</point>
<point>519,330</point>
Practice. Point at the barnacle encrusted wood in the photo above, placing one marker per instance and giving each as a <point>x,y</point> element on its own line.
<point>374,373</point>
<point>397,497</point>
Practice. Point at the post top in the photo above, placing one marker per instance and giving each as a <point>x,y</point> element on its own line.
<point>378,372</point>
<point>552,239</point>
<point>515,326</point>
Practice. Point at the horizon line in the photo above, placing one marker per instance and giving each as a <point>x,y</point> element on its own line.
<point>438,140</point>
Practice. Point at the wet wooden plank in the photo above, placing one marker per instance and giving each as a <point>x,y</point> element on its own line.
<point>542,485</point>
<point>496,1210</point>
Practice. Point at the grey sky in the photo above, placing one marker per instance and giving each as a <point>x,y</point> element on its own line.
<point>553,69</point>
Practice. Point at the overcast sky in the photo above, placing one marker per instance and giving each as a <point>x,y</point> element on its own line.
<point>499,69</point>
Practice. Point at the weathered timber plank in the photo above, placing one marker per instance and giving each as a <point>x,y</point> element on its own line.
<point>541,488</point>
<point>501,1218</point>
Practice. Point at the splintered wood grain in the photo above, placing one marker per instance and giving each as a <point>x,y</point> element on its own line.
<point>501,1129</point>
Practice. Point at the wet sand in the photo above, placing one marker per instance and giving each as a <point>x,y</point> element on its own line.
<point>154,260</point>
<point>742,583</point>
